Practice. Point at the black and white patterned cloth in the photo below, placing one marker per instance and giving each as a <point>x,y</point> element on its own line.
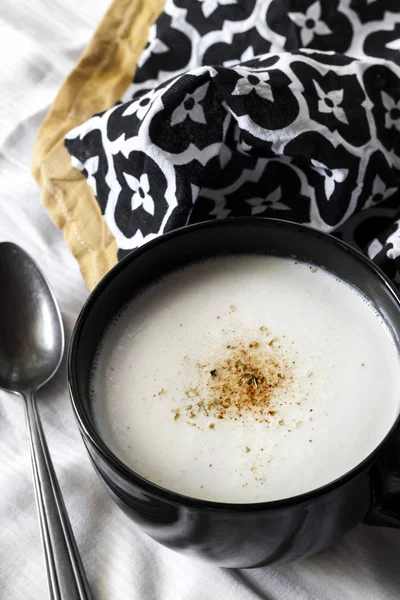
<point>278,108</point>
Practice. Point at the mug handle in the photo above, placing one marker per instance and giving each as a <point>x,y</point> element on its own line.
<point>385,493</point>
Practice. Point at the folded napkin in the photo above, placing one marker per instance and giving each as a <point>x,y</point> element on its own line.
<point>277,108</point>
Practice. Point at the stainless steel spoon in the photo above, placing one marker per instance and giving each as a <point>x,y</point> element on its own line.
<point>31,349</point>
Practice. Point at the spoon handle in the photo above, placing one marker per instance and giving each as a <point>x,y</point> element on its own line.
<point>66,577</point>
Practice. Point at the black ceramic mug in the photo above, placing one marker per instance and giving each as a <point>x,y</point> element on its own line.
<point>239,535</point>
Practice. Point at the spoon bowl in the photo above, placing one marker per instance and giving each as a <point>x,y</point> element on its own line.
<point>31,330</point>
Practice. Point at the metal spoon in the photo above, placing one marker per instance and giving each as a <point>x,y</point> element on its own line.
<point>31,349</point>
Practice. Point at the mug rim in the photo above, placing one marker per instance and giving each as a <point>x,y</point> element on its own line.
<point>90,433</point>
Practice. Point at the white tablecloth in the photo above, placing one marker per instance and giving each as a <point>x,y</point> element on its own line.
<point>40,40</point>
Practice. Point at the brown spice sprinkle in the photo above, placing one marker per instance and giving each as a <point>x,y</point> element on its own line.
<point>246,381</point>
<point>177,413</point>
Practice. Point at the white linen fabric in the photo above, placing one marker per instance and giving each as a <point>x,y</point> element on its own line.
<point>40,42</point>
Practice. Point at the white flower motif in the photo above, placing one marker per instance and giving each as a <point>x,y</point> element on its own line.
<point>379,192</point>
<point>392,117</point>
<point>140,196</point>
<point>248,54</point>
<point>329,102</point>
<point>92,166</point>
<point>243,147</point>
<point>331,176</point>
<point>249,82</point>
<point>259,205</point>
<point>394,44</point>
<point>141,106</point>
<point>155,46</point>
<point>190,107</point>
<point>310,23</point>
<point>394,238</point>
<point>208,6</point>
<point>374,248</point>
